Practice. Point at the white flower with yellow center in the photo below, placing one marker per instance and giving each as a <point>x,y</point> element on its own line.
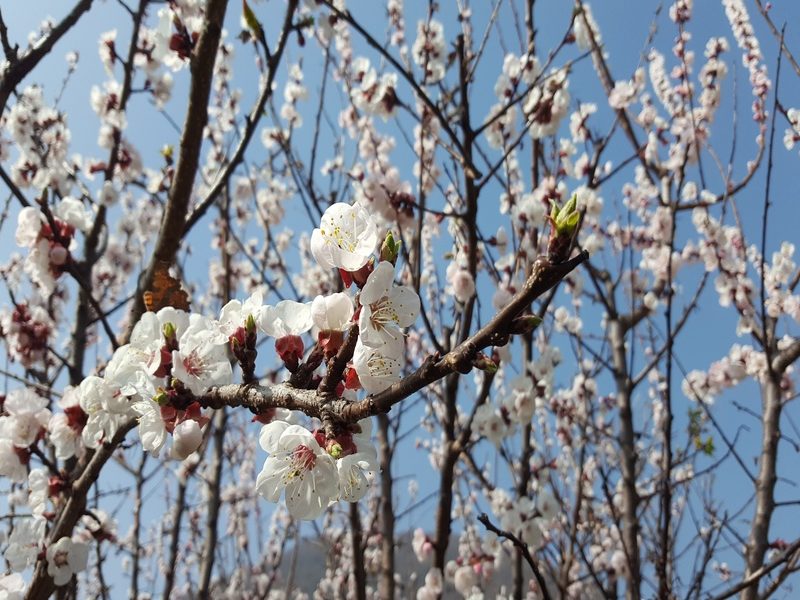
<point>378,368</point>
<point>385,307</point>
<point>346,238</point>
<point>297,464</point>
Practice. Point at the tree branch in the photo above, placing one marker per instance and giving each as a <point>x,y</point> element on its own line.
<point>523,549</point>
<point>21,66</point>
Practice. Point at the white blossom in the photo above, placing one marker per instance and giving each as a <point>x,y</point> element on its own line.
<point>385,307</point>
<point>66,558</point>
<point>346,238</point>
<point>297,464</point>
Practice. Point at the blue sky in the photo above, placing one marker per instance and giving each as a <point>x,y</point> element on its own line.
<point>624,24</point>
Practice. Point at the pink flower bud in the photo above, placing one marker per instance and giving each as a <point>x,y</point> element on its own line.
<point>58,255</point>
<point>290,348</point>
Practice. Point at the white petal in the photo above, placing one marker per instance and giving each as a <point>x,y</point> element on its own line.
<point>296,316</point>
<point>271,434</point>
<point>187,437</point>
<point>269,482</point>
<point>378,283</point>
<point>405,302</point>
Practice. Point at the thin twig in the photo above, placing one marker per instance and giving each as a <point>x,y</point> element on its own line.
<point>523,549</point>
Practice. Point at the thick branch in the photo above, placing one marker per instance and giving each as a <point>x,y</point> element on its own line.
<point>386,587</point>
<point>213,505</point>
<point>180,193</point>
<point>166,247</point>
<point>251,123</point>
<point>758,541</point>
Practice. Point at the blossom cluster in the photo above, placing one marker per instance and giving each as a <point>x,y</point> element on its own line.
<point>174,358</point>
<point>429,50</point>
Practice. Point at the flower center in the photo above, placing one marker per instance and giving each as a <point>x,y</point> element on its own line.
<point>382,312</point>
<point>61,559</point>
<point>303,458</point>
<point>380,366</point>
<point>194,364</point>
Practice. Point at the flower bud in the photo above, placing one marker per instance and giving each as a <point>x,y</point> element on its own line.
<point>335,450</point>
<point>390,249</point>
<point>358,277</point>
<point>566,218</point>
<point>161,398</point>
<point>187,437</point>
<point>58,255</point>
<point>166,152</point>
<point>330,341</point>
<point>55,485</point>
<point>236,340</point>
<point>251,20</point>
<point>525,324</point>
<point>265,417</point>
<point>169,331</point>
<point>351,381</point>
<point>484,363</point>
<point>564,223</point>
<point>290,348</point>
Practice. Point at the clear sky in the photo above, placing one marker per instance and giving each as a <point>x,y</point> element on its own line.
<point>625,29</point>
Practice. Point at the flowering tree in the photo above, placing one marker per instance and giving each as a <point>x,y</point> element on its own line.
<point>480,246</point>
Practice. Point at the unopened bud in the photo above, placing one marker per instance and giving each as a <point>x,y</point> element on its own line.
<point>564,224</point>
<point>335,450</point>
<point>235,343</point>
<point>360,277</point>
<point>565,219</point>
<point>290,348</point>
<point>525,324</point>
<point>390,249</point>
<point>250,19</point>
<point>250,324</point>
<point>351,381</point>
<point>330,341</point>
<point>161,398</point>
<point>484,363</point>
<point>169,331</point>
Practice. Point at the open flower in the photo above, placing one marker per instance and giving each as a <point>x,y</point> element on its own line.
<point>201,360</point>
<point>38,491</point>
<point>147,339</point>
<point>105,406</point>
<point>65,558</point>
<point>380,367</point>
<point>24,543</point>
<point>357,460</point>
<point>286,318</point>
<point>297,464</point>
<point>332,312</point>
<point>65,427</point>
<point>385,307</point>
<point>27,414</point>
<point>345,239</point>
<point>152,431</point>
<point>235,313</point>
<point>12,587</point>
